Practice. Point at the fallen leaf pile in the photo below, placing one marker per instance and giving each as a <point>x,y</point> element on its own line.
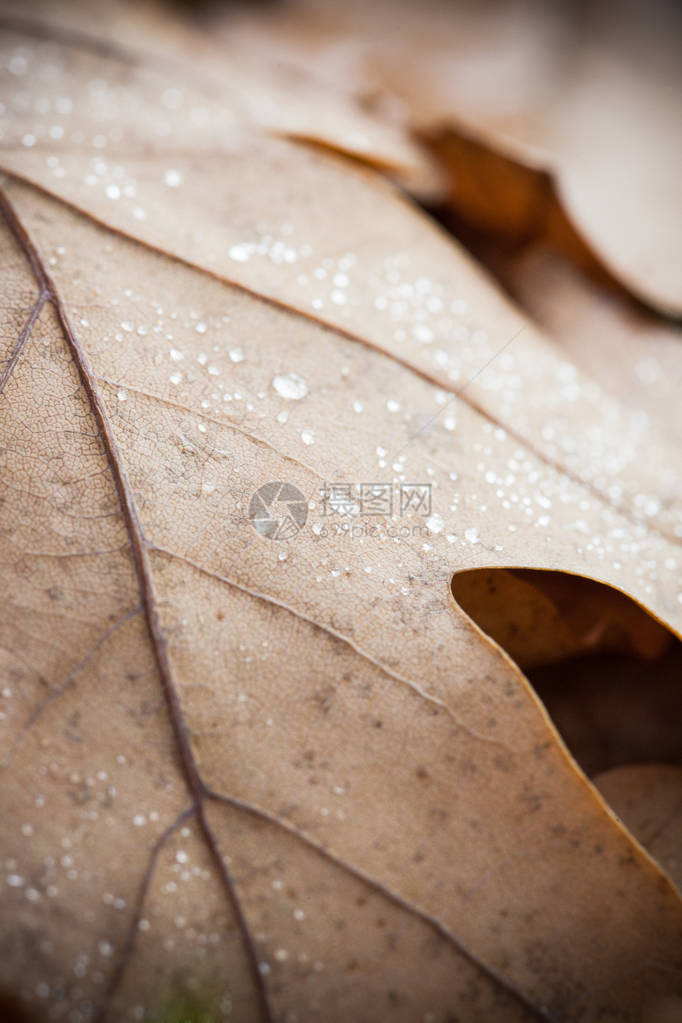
<point>253,775</point>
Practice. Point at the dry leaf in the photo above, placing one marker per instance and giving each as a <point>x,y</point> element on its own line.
<point>542,617</point>
<point>286,779</point>
<point>228,85</point>
<point>647,798</point>
<point>608,674</point>
<point>634,355</point>
<point>555,120</point>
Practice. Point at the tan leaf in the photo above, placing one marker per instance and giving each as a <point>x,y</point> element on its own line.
<point>555,120</point>
<point>647,798</point>
<point>633,354</point>
<point>289,778</point>
<point>607,672</point>
<point>223,86</point>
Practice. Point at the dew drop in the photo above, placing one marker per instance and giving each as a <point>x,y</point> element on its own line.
<point>240,253</point>
<point>423,333</point>
<point>290,386</point>
<point>435,523</point>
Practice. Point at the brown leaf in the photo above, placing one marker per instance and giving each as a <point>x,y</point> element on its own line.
<point>648,799</point>
<point>290,777</point>
<point>553,120</point>
<point>544,617</point>
<point>634,355</point>
<point>234,83</point>
<point>607,672</point>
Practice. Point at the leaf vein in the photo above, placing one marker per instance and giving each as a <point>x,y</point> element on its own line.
<point>138,545</point>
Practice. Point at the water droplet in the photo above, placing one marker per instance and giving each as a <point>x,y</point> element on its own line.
<point>435,523</point>
<point>307,436</point>
<point>240,253</point>
<point>423,334</point>
<point>290,386</point>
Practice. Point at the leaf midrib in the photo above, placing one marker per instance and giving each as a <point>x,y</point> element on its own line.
<point>138,546</point>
